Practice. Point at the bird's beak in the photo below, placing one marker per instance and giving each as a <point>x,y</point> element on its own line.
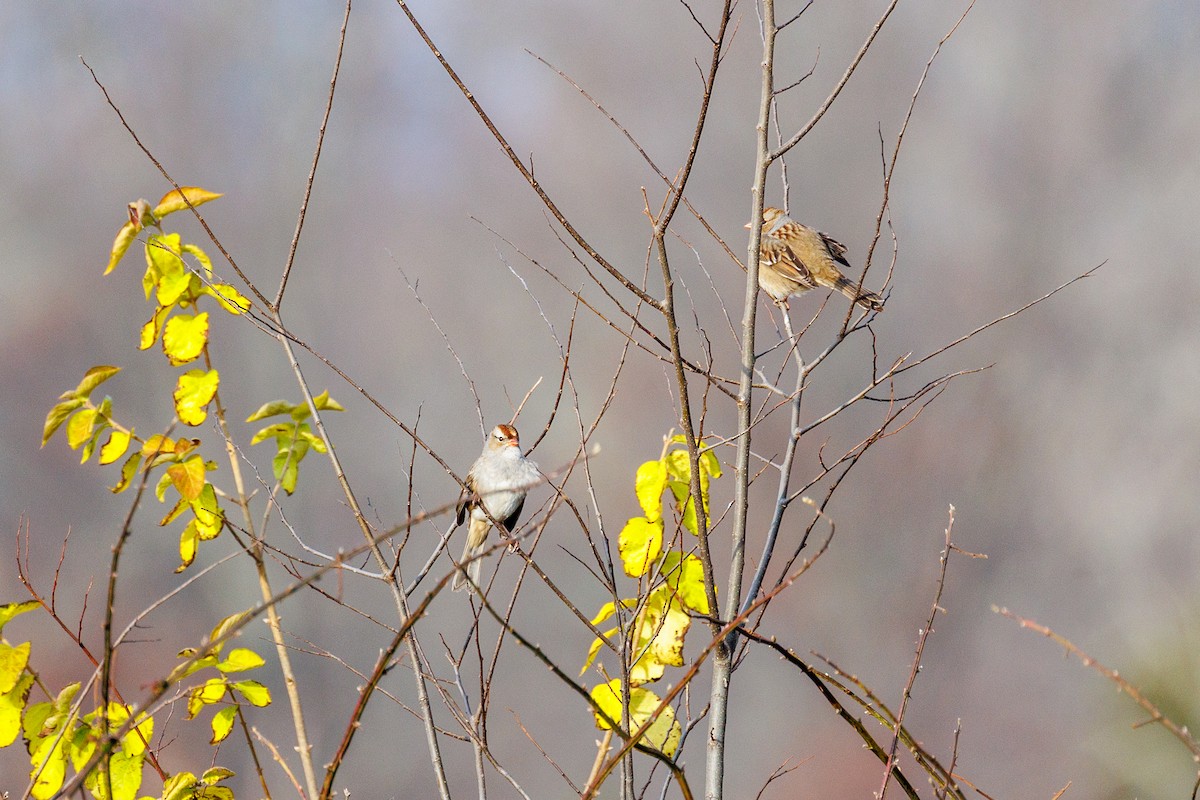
<point>748,225</point>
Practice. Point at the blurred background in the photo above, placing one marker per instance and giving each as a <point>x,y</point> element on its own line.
<point>1048,138</point>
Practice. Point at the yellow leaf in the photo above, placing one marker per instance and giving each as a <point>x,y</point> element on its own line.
<point>12,703</point>
<point>710,464</point>
<point>663,734</point>
<point>10,610</point>
<point>649,484</point>
<point>211,691</point>
<point>50,751</point>
<point>639,544</point>
<point>594,649</point>
<point>125,237</point>
<point>12,664</point>
<point>184,337</point>
<point>662,627</point>
<point>153,329</point>
<point>79,429</point>
<point>137,739</point>
<point>188,477</point>
<point>608,697</point>
<point>222,724</point>
<point>128,470</point>
<point>679,465</point>
<point>115,447</point>
<point>230,298</point>
<point>240,659</point>
<point>254,692</point>
<point>188,541</point>
<point>193,392</point>
<point>173,200</point>
<point>324,402</point>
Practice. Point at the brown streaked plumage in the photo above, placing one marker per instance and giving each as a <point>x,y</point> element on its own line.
<point>794,258</point>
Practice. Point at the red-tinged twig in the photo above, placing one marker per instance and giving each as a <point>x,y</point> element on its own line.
<point>922,637</point>
<point>279,759</point>
<point>1156,716</point>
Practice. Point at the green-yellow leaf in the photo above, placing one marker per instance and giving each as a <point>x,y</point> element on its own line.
<point>184,337</point>
<point>274,408</point>
<point>240,659</point>
<point>640,544</point>
<point>10,610</point>
<point>115,447</point>
<point>188,477</point>
<point>685,577</point>
<point>138,739</point>
<point>710,464</point>
<point>282,432</point>
<point>125,237</point>
<point>174,201</point>
<point>209,517</point>
<point>193,392</point>
<point>214,793</point>
<point>128,470</point>
<point>79,429</point>
<point>286,466</point>
<point>58,415</point>
<point>125,772</point>
<point>324,402</point>
<point>93,378</point>
<point>201,256</point>
<point>226,625</point>
<point>230,298</point>
<point>222,724</point>
<point>12,664</point>
<point>649,484</point>
<point>180,506</point>
<point>12,703</point>
<point>216,774</point>
<point>254,692</point>
<point>179,786</point>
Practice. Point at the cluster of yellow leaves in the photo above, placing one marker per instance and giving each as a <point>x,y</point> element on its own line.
<point>215,690</point>
<point>672,587</point>
<point>293,437</point>
<point>178,287</point>
<point>56,735</point>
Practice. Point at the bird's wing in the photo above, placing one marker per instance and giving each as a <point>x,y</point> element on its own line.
<point>775,252</point>
<point>510,522</point>
<point>466,500</point>
<point>836,248</point>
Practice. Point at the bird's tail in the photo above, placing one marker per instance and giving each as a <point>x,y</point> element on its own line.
<point>472,549</point>
<point>864,298</point>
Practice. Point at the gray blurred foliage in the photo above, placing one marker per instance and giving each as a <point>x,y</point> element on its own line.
<point>1050,137</point>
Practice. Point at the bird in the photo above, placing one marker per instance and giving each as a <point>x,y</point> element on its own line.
<point>498,482</point>
<point>794,258</point>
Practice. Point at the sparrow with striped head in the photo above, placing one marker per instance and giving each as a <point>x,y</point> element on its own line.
<point>497,482</point>
<point>794,258</point>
